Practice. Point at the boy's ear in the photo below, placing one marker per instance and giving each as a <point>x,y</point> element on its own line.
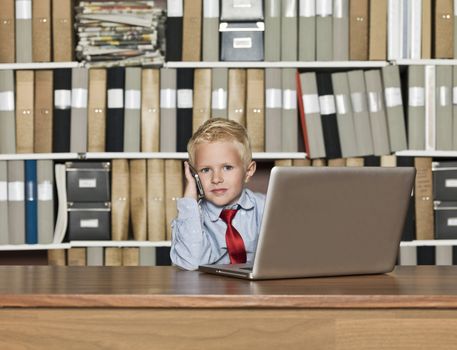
<point>250,170</point>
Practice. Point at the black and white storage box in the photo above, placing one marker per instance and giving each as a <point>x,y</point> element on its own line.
<point>445,220</point>
<point>242,41</point>
<point>88,181</point>
<point>89,221</point>
<point>241,10</point>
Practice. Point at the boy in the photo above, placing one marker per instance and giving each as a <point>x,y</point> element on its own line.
<point>222,227</point>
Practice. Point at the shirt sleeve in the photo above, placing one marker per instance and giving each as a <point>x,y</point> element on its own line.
<point>189,242</point>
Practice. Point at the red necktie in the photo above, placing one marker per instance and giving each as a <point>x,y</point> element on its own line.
<point>235,244</point>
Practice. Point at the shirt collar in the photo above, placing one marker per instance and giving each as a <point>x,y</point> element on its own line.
<point>245,202</point>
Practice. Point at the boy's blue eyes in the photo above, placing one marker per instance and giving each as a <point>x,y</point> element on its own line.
<point>226,167</point>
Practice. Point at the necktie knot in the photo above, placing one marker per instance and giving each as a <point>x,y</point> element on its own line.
<point>227,215</point>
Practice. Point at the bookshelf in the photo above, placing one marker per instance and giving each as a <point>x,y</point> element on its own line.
<point>40,65</point>
<point>280,64</point>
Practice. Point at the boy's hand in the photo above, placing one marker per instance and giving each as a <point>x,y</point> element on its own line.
<point>191,187</point>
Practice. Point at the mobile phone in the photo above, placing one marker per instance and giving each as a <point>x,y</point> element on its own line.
<point>200,192</point>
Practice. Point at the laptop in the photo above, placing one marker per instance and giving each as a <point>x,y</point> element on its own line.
<point>325,221</point>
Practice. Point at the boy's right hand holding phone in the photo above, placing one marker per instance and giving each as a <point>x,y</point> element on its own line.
<point>190,190</point>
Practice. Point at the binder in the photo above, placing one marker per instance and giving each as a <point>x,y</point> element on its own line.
<point>201,111</point>
<point>174,30</point>
<point>192,28</point>
<point>31,217</point>
<point>96,123</point>
<point>76,256</point>
<point>377,49</point>
<point>444,28</point>
<point>168,117</point>
<point>156,199</point>
<point>345,121</point>
<point>23,31</point>
<point>414,28</point>
<point>210,46</point>
<point>94,256</point>
<point>132,111</point>
<point>173,190</point>
<point>272,30</point>
<point>45,204</point>
<point>16,202</point>
<point>150,110</point>
<point>378,118</point>
<point>394,108</point>
<point>358,30</point>
<point>454,107</point>
<point>113,256</point>
<point>426,29</point>
<point>57,257</point>
<point>394,30</point>
<point>79,94</point>
<point>62,110</point>
<point>255,113</point>
<point>443,105</point>
<point>4,233</point>
<point>430,107</point>
<point>7,32</point>
<point>289,111</point>
<point>273,110</point>
<point>185,97</point>
<point>307,30</point>
<point>7,112</point>
<point>44,111</point>
<point>115,110</point>
<point>289,26</point>
<point>120,199</point>
<point>138,199</point>
<point>324,30</point>
<point>41,30</point>
<point>219,87</point>
<point>328,114</point>
<point>130,256</point>
<point>62,30</point>
<point>340,30</point>
<point>425,255</point>
<point>147,256</point>
<point>409,229</point>
<point>237,95</point>
<point>416,107</point>
<point>24,111</point>
<point>423,192</point>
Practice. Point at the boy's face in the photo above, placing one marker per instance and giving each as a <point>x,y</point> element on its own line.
<point>221,171</point>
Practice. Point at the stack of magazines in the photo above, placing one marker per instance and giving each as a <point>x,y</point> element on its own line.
<point>120,33</point>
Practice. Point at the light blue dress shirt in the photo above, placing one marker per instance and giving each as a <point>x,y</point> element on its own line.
<point>198,234</point>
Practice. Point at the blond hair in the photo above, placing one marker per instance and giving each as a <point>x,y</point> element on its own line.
<point>218,129</point>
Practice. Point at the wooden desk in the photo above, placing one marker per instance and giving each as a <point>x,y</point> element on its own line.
<point>45,307</point>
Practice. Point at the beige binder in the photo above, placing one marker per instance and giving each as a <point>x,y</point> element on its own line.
<point>62,30</point>
<point>173,190</point>
<point>131,256</point>
<point>43,111</point>
<point>358,30</point>
<point>96,118</point>
<point>378,30</point>
<point>150,110</point>
<point>76,256</point>
<point>24,111</point>
<point>41,30</point>
<point>7,32</point>
<point>56,257</point>
<point>113,256</point>
<point>255,109</point>
<point>444,29</point>
<point>192,28</point>
<point>120,200</point>
<point>156,199</point>
<point>138,203</point>
<point>426,35</point>
<point>202,97</point>
<point>237,96</point>
<point>423,196</point>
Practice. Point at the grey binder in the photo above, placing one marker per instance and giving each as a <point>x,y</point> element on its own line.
<point>95,256</point>
<point>289,111</point>
<point>307,30</point>
<point>416,107</point>
<point>361,117</point>
<point>289,30</point>
<point>312,115</point>
<point>45,204</point>
<point>219,94</point>
<point>16,202</point>
<point>132,109</point>
<point>454,108</point>
<point>272,30</point>
<point>273,110</point>
<point>377,112</point>
<point>147,256</point>
<point>79,98</point>
<point>346,130</point>
<point>7,112</point>
<point>394,108</point>
<point>444,108</point>
<point>23,31</point>
<point>210,49</point>
<point>340,30</point>
<point>4,237</point>
<point>324,31</point>
<point>168,110</point>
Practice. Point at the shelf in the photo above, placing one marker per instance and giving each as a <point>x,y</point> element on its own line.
<point>413,153</point>
<point>11,247</point>
<point>432,62</point>
<point>26,156</point>
<point>40,65</point>
<point>433,242</point>
<point>183,155</point>
<point>279,64</point>
<point>120,244</point>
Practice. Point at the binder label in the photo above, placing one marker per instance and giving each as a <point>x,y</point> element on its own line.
<point>358,102</point>
<point>219,99</point>
<point>324,8</point>
<point>290,9</point>
<point>6,101</point>
<point>23,9</point>
<point>454,94</point>
<point>416,96</point>
<point>311,103</point>
<point>79,98</point>
<point>132,99</point>
<point>342,104</point>
<point>175,8</point>
<point>445,96</point>
<point>168,98</point>
<point>62,99</point>
<point>274,10</point>
<point>452,221</point>
<point>185,97</point>
<point>393,97</point>
<point>30,191</point>
<point>88,223</point>
<point>16,191</point>
<point>374,102</point>
<point>242,4</point>
<point>242,43</point>
<point>3,191</point>
<point>327,104</point>
<point>339,10</point>
<point>87,183</point>
<point>45,192</point>
<point>211,8</point>
<point>289,99</point>
<point>115,98</point>
<point>307,8</point>
<point>273,98</point>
